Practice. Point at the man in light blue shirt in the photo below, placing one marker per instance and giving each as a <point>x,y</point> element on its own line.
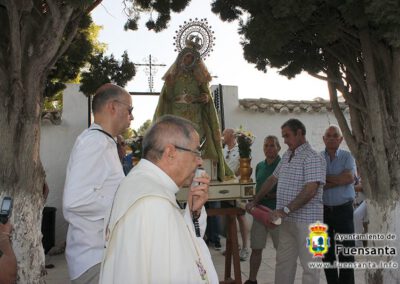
<point>338,199</point>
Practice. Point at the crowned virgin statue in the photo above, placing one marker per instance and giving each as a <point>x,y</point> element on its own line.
<point>186,93</point>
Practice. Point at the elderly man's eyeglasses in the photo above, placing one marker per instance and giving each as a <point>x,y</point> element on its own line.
<point>130,108</point>
<point>198,152</point>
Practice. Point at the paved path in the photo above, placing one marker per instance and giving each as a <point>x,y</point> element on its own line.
<point>59,274</point>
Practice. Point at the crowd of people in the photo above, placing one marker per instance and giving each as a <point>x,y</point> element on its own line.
<point>131,229</point>
<point>311,187</point>
<point>125,225</point>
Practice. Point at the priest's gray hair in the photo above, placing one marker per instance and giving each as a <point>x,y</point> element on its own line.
<point>169,129</point>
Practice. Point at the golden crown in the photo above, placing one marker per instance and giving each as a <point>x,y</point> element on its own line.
<point>318,228</point>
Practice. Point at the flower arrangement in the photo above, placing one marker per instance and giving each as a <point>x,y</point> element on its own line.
<point>244,139</point>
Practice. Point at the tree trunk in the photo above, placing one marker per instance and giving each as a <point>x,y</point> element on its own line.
<point>374,142</point>
<point>22,177</point>
<point>384,219</point>
<point>36,33</point>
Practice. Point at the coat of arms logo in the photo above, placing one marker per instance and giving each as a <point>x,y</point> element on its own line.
<point>318,241</point>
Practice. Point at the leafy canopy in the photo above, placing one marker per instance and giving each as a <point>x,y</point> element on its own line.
<point>106,69</point>
<point>68,67</point>
<point>295,35</point>
<point>160,8</point>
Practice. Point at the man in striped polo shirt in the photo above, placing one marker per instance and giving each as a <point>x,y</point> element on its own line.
<point>300,177</point>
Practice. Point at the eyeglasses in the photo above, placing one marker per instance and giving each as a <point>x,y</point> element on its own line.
<point>198,153</point>
<point>130,109</point>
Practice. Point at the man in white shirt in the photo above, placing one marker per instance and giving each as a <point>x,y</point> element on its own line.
<point>94,172</point>
<point>231,154</point>
<point>148,238</point>
<point>231,150</point>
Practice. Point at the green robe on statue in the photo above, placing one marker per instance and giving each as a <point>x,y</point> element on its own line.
<point>181,98</point>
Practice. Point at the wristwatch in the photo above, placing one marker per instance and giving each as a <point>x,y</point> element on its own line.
<point>286,210</point>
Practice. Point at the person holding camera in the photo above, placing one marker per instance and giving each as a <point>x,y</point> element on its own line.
<point>8,261</point>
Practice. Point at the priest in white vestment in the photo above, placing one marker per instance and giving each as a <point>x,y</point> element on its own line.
<point>149,238</point>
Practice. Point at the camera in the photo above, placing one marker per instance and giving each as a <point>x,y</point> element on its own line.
<point>6,209</point>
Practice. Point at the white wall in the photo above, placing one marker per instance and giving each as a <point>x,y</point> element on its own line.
<point>55,147</point>
<point>265,123</point>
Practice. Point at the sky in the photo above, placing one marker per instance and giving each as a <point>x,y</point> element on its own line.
<point>226,62</point>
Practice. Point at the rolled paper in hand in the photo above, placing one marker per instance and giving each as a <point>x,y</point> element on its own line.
<point>264,215</point>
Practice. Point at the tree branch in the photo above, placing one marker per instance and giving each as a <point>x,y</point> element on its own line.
<point>351,142</point>
<point>3,76</point>
<point>340,86</point>
<point>376,118</point>
<point>320,77</point>
<point>341,58</point>
<point>395,84</point>
<point>54,11</point>
<point>348,96</point>
<point>350,38</point>
<point>51,41</point>
<point>68,38</point>
<point>357,127</point>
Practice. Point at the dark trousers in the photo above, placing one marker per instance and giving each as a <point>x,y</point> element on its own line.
<point>213,223</point>
<point>339,220</point>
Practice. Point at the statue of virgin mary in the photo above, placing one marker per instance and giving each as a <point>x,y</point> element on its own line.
<point>186,93</point>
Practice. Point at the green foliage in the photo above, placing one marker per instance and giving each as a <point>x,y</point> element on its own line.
<point>82,4</point>
<point>296,35</point>
<point>142,129</point>
<point>68,65</point>
<point>53,103</point>
<point>131,25</point>
<point>161,8</point>
<point>67,68</point>
<point>106,69</point>
<point>129,133</point>
<point>227,9</point>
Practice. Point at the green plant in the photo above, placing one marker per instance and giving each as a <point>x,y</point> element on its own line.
<point>244,139</point>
